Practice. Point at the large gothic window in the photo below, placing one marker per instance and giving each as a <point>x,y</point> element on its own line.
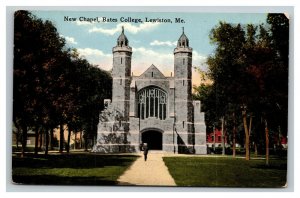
<point>152,102</point>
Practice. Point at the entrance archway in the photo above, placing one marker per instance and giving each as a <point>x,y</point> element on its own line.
<point>153,139</point>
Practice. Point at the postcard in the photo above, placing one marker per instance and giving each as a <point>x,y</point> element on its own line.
<point>177,99</point>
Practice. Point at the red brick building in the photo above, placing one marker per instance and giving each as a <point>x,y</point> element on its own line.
<point>214,139</point>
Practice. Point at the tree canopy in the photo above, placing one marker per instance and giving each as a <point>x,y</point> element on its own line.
<point>249,70</point>
<point>52,85</point>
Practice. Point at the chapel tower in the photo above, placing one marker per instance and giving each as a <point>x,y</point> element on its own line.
<point>184,112</point>
<point>121,75</point>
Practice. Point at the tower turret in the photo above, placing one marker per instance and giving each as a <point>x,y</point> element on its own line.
<point>183,41</point>
<point>122,40</point>
<point>121,74</point>
<point>183,90</point>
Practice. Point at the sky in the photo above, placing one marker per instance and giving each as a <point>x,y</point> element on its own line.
<point>151,42</point>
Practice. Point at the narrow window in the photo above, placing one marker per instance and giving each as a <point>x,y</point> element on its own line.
<point>143,111</point>
<point>160,111</point>
<point>121,60</point>
<point>182,82</point>
<point>164,111</point>
<point>151,107</point>
<point>183,61</point>
<point>182,124</point>
<point>156,107</point>
<point>147,108</point>
<point>152,74</point>
<point>121,81</point>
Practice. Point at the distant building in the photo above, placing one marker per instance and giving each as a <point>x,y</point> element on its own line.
<point>152,108</point>
<point>214,139</point>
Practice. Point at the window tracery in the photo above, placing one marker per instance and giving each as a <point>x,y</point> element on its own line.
<point>152,102</point>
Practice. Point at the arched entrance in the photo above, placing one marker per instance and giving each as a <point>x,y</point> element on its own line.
<point>153,138</point>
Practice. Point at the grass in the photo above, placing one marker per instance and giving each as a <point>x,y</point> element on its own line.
<point>226,172</point>
<point>70,169</point>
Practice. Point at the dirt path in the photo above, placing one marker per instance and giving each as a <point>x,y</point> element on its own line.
<point>152,172</point>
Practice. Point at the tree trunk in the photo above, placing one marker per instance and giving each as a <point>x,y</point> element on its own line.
<point>214,139</point>
<point>17,141</point>
<point>47,141</point>
<point>247,157</point>
<point>51,138</point>
<point>234,135</point>
<point>61,140</point>
<point>41,139</point>
<point>36,145</point>
<point>250,125</point>
<point>267,142</point>
<point>17,137</point>
<point>24,139</point>
<point>69,138</point>
<point>255,149</point>
<point>250,130</point>
<point>75,138</point>
<point>222,136</point>
<point>85,144</point>
<point>279,137</point>
<point>80,139</point>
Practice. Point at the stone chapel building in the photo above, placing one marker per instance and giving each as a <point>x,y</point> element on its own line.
<point>152,108</point>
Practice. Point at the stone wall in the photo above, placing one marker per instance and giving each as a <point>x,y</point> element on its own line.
<point>200,129</point>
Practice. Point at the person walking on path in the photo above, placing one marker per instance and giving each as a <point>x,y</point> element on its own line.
<point>145,149</point>
<point>141,147</point>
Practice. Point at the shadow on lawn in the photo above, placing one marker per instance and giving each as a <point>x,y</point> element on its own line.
<point>57,180</point>
<point>271,167</point>
<point>77,161</point>
<point>37,169</point>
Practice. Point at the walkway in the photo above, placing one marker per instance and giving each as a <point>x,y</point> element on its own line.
<point>152,172</point>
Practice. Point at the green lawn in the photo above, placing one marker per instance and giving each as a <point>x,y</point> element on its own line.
<point>226,172</point>
<point>72,169</point>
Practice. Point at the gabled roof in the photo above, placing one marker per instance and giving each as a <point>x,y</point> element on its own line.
<point>152,72</point>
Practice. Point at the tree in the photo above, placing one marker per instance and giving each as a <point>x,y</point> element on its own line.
<point>277,79</point>
<point>206,94</point>
<point>97,88</point>
<point>227,70</point>
<point>249,70</point>
<point>267,62</point>
<point>53,86</point>
<point>32,63</point>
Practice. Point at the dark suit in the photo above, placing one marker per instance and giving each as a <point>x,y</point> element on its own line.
<point>145,148</point>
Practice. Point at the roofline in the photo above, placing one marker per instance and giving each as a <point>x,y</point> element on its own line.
<point>155,67</point>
